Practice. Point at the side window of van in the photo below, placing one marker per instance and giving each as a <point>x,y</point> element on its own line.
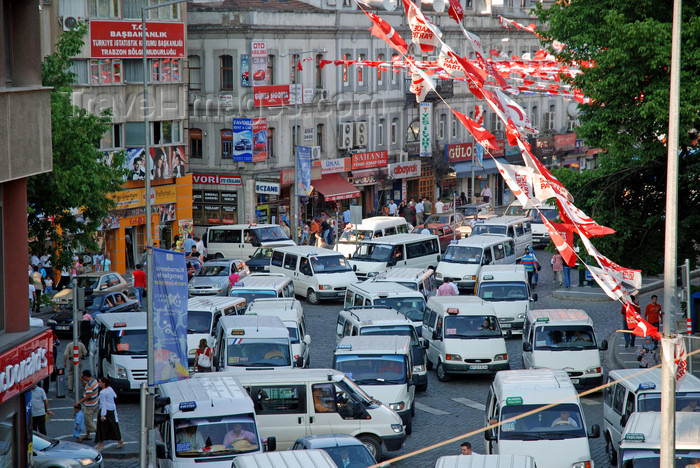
<point>432,246</point>
<point>488,256</point>
<point>438,326</point>
<point>290,262</point>
<point>527,227</point>
<point>377,234</point>
<point>354,331</point>
<point>304,266</point>
<point>509,248</point>
<point>390,231</point>
<point>429,318</point>
<point>368,302</point>
<point>274,400</point>
<point>324,398</point>
<point>415,250</point>
<point>609,391</point>
<point>510,233</point>
<point>340,326</point>
<point>349,295</point>
<point>302,327</point>
<point>276,259</point>
<point>232,236</point>
<point>347,329</point>
<point>358,300</point>
<point>499,251</point>
<point>619,398</point>
<point>519,230</point>
<point>402,229</point>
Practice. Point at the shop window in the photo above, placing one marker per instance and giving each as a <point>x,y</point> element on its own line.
<point>103,8</point>
<point>9,442</point>
<point>319,137</point>
<point>195,143</point>
<point>166,132</point>
<point>226,71</point>
<point>133,70</point>
<point>319,72</point>
<point>165,70</point>
<point>271,143</point>
<point>380,132</point>
<point>195,65</point>
<point>105,71</point>
<point>134,134</point>
<point>79,68</point>
<point>380,72</point>
<point>270,77</point>
<point>226,144</point>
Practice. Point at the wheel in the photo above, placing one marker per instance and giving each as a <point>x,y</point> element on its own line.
<point>312,297</point>
<point>413,409</point>
<point>218,255</point>
<point>441,374</point>
<point>422,388</point>
<point>409,426</point>
<point>373,445</point>
<point>610,450</point>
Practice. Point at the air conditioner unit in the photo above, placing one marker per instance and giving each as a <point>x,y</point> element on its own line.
<point>315,153</point>
<point>360,137</point>
<point>70,22</point>
<point>345,132</point>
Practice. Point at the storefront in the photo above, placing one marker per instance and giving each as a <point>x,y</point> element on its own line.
<point>267,195</point>
<point>485,172</point>
<point>215,200</point>
<point>369,176</point>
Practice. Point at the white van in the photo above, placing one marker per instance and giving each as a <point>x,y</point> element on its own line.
<point>241,240</point>
<point>418,279</point>
<point>262,285</point>
<point>290,312</point>
<point>410,303</point>
<point>384,321</point>
<point>635,392</point>
<point>316,273</point>
<point>641,441</point>
<point>288,459</point>
<point>383,369</point>
<point>540,235</point>
<point>370,228</point>
<point>463,337</point>
<point>292,404</point>
<point>118,350</point>
<point>407,250</point>
<point>515,227</point>
<point>563,339</point>
<point>464,258</point>
<point>555,436</point>
<point>252,343</point>
<point>199,422</point>
<point>507,289</point>
<point>485,461</point>
<point>203,314</point>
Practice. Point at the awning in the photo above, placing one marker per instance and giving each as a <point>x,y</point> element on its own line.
<point>334,187</point>
<point>464,169</point>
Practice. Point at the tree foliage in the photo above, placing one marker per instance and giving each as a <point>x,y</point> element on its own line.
<point>628,44</point>
<point>67,205</point>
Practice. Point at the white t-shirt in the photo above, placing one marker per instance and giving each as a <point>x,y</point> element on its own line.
<point>438,206</point>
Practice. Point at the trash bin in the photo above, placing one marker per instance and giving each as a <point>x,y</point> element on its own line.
<point>582,277</point>
<point>61,383</point>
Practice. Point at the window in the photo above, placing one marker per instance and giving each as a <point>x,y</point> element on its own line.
<point>380,72</point>
<point>80,69</point>
<point>226,144</point>
<point>133,71</point>
<point>105,71</point>
<point>499,251</point>
<point>394,74</point>
<point>319,136</point>
<point>226,71</point>
<point>360,70</point>
<point>276,259</point>
<point>346,77</point>
<point>394,131</point>
<point>166,132</point>
<point>103,8</point>
<point>380,132</point>
<point>619,398</point>
<point>195,143</point>
<point>609,392</point>
<point>276,400</point>
<point>294,72</point>
<point>270,77</point>
<point>134,134</point>
<point>290,262</point>
<point>165,70</point>
<point>270,143</point>
<point>195,65</point>
<point>296,134</point>
<point>319,72</point>
<point>454,128</point>
<point>535,116</point>
<point>442,124</point>
<point>112,138</point>
<point>171,12</point>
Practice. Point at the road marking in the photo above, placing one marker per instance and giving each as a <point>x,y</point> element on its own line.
<point>61,419</point>
<point>588,401</point>
<point>429,409</point>
<point>470,403</point>
<point>629,362</point>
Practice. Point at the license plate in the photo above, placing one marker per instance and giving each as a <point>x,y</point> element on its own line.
<point>479,367</point>
<point>62,327</point>
<point>505,325</point>
<point>574,381</point>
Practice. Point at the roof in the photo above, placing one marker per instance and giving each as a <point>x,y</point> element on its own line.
<point>135,320</point>
<point>286,459</point>
<point>535,386</point>
<point>391,344</point>
<point>286,303</point>
<point>320,441</point>
<point>307,250</point>
<point>258,322</point>
<point>503,220</point>
<point>562,315</point>
<point>212,303</point>
<point>485,461</point>
<point>687,432</point>
<point>466,304</point>
<point>291,375</point>
<point>399,273</point>
<point>378,316</point>
<point>689,382</point>
<point>503,272</point>
<point>261,282</point>
<point>216,390</point>
<point>372,222</point>
<point>232,5</point>
<point>384,288</point>
<point>400,238</point>
<point>244,226</point>
<point>481,240</point>
<point>285,309</point>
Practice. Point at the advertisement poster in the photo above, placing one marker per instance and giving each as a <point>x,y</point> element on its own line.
<point>122,39</point>
<point>169,315</point>
<point>245,70</point>
<point>260,140</point>
<point>135,164</point>
<point>271,96</point>
<point>303,171</point>
<point>242,140</point>
<point>426,128</point>
<point>258,63</point>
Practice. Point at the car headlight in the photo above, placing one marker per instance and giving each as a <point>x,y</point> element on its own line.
<point>86,461</point>
<point>325,287</point>
<point>593,370</point>
<point>419,368</point>
<point>521,316</point>
<point>397,406</point>
<point>453,357</point>
<point>500,357</point>
<point>121,372</point>
<point>51,322</point>
<point>582,464</point>
<point>469,277</point>
<point>398,428</point>
<point>190,286</point>
<point>266,268</point>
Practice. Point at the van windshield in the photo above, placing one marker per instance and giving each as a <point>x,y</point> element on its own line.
<point>413,308</point>
<point>198,321</point>
<point>462,254</point>
<point>88,281</point>
<point>516,210</point>
<point>209,437</point>
<point>251,294</point>
<point>550,213</point>
<point>263,252</point>
<point>650,458</point>
<point>392,330</point>
<point>250,352</point>
<point>488,229</point>
<point>349,235</point>
<point>685,401</point>
<point>373,369</point>
<point>471,326</point>
<point>127,342</point>
<point>558,422</point>
<point>497,292</point>
<point>373,252</point>
<point>565,337</point>
<point>330,264</point>
<point>272,233</point>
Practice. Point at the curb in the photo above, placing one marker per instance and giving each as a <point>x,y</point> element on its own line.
<point>119,455</point>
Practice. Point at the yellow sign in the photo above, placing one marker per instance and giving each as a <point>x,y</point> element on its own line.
<point>135,198</point>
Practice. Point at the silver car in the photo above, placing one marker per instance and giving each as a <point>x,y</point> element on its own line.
<point>212,278</point>
<point>56,453</point>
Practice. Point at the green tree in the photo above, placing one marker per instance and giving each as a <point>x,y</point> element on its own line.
<point>628,45</point>
<point>67,205</point>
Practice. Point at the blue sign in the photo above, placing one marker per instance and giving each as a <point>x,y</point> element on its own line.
<point>479,153</point>
<point>242,143</point>
<point>245,70</point>
<point>303,171</point>
<point>169,315</point>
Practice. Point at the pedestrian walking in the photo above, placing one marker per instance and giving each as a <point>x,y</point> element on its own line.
<point>653,313</point>
<point>462,199</point>
<point>486,193</point>
<point>538,267</point>
<point>392,208</point>
<point>89,402</point>
<point>448,288</point>
<point>108,421</point>
<point>202,358</point>
<point>65,279</point>
<point>528,261</point>
<point>427,207</point>
<point>305,234</point>
<point>200,247</point>
<point>40,409</point>
<point>629,337</point>
<point>78,422</point>
<point>38,288</point>
<point>420,209</point>
<point>68,360</point>
<point>557,268</point>
<point>233,277</point>
<point>139,277</point>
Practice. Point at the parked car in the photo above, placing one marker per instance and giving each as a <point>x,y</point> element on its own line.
<point>242,145</point>
<point>483,210</point>
<point>55,453</point>
<point>443,231</point>
<point>103,303</point>
<point>444,218</point>
<point>335,445</point>
<point>212,277</point>
<point>259,262</point>
<point>102,281</point>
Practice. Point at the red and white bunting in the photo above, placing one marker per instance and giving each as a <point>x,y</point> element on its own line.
<point>383,30</point>
<point>565,249</point>
<point>423,32</point>
<point>480,134</point>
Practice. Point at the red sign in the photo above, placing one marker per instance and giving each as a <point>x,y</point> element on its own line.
<point>122,39</point>
<point>287,177</point>
<point>566,142</point>
<point>215,179</point>
<point>260,140</point>
<point>405,170</point>
<point>26,364</point>
<point>501,151</point>
<point>459,152</point>
<point>369,160</point>
<point>268,96</point>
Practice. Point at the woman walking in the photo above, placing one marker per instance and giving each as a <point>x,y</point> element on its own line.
<point>202,360</point>
<point>107,421</point>
<point>558,268</point>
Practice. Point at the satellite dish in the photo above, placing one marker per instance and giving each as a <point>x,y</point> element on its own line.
<point>572,109</point>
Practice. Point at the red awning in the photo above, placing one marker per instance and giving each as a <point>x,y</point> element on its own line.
<point>334,187</point>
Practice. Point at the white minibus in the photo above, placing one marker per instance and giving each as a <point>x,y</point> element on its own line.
<point>406,250</point>
<point>370,228</point>
<point>241,240</point>
<point>507,289</point>
<point>515,227</point>
<point>203,314</point>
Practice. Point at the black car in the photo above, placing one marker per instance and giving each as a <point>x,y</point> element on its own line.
<point>259,262</point>
<point>62,321</point>
<point>242,145</point>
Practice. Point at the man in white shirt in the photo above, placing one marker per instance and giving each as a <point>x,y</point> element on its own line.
<point>419,212</point>
<point>438,206</point>
<point>392,208</point>
<point>200,247</point>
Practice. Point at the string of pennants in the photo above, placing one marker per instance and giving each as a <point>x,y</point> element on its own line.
<point>532,184</point>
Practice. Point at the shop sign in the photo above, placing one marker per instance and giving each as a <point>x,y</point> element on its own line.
<point>245,70</point>
<point>331,166</point>
<point>215,179</point>
<point>287,177</point>
<point>242,140</point>
<point>269,96</point>
<point>425,117</point>
<point>160,195</point>
<point>566,142</point>
<point>366,177</point>
<point>308,134</point>
<point>258,63</point>
<point>122,39</point>
<point>267,188</point>
<point>226,100</point>
<point>229,197</point>
<point>26,364</point>
<point>501,151</point>
<point>405,170</point>
<point>543,146</point>
<point>260,139</point>
<point>459,152</point>
<point>211,197</point>
<point>137,221</point>
<point>369,160</point>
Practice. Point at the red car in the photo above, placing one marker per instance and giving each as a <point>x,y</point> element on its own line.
<point>259,75</point>
<point>443,231</point>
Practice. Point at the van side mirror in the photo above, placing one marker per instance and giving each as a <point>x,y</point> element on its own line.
<point>391,262</point>
<point>439,257</point>
<point>270,445</point>
<point>534,297</point>
<point>307,339</point>
<point>490,435</point>
<point>354,268</point>
<point>425,344</point>
<point>299,362</point>
<point>527,347</point>
<point>161,453</point>
<point>604,345</point>
<point>250,256</point>
<point>595,432</point>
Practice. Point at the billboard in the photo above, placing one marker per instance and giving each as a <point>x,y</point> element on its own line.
<point>260,140</point>
<point>245,70</point>
<point>425,117</point>
<point>122,39</point>
<point>258,63</point>
<point>303,171</point>
<point>269,96</point>
<point>242,141</point>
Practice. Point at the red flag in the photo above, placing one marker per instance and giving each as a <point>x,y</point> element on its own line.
<point>562,243</point>
<point>480,134</point>
<point>299,68</point>
<point>423,32</point>
<point>456,11</point>
<point>383,30</point>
